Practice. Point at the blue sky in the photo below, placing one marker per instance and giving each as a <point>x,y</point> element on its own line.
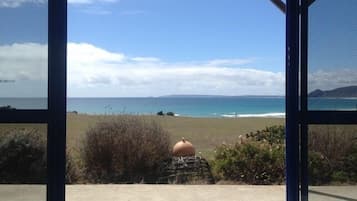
<point>184,30</point>
<point>121,48</point>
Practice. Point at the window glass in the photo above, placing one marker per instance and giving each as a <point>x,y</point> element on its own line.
<point>23,54</point>
<point>332,61</point>
<point>23,162</point>
<point>332,160</point>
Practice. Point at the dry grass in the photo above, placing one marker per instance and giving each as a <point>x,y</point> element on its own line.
<point>204,133</point>
<point>124,149</point>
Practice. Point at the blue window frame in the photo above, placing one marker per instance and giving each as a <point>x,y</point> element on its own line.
<point>297,116</point>
<point>55,114</point>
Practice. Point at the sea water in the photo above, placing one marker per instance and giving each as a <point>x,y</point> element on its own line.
<point>230,107</point>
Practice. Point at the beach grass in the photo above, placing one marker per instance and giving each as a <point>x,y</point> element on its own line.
<point>204,133</point>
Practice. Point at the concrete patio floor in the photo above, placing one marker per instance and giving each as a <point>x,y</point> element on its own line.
<point>174,193</point>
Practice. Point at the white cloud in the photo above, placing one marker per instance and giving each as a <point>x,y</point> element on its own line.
<point>91,1</point>
<point>27,61</point>
<point>150,76</point>
<point>327,80</point>
<point>17,3</point>
<point>26,66</point>
<point>93,71</point>
<point>229,62</point>
<point>145,59</point>
<point>84,53</point>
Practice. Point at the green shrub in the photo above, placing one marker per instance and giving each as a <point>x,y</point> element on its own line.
<point>272,135</point>
<point>333,142</point>
<point>23,157</point>
<point>250,162</point>
<point>350,165</point>
<point>170,114</point>
<point>126,149</point>
<point>319,169</point>
<point>333,155</point>
<point>160,113</point>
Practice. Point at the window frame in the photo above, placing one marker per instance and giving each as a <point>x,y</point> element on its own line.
<point>308,117</point>
<point>55,115</point>
<point>297,115</point>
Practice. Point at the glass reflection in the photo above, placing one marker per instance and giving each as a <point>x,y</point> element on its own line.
<point>23,54</point>
<point>332,63</point>
<point>332,162</point>
<point>23,162</point>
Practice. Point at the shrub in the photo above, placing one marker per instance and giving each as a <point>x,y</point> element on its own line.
<point>350,165</point>
<point>23,157</point>
<point>160,113</point>
<point>333,142</point>
<point>334,154</point>
<point>170,114</point>
<point>319,169</point>
<point>250,162</point>
<point>126,149</point>
<point>73,173</point>
<point>272,135</point>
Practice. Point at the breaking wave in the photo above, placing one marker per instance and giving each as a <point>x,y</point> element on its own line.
<point>276,115</point>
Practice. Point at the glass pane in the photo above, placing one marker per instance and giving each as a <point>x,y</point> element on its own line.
<point>332,63</point>
<point>23,54</point>
<point>332,162</point>
<point>23,162</point>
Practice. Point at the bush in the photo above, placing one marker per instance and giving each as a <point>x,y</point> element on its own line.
<point>272,135</point>
<point>333,156</point>
<point>257,160</point>
<point>23,157</point>
<point>319,169</point>
<point>160,113</point>
<point>170,114</point>
<point>73,173</point>
<point>250,162</point>
<point>125,150</point>
<point>333,142</point>
<point>349,169</point>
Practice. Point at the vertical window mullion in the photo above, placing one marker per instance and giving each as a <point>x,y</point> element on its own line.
<point>57,44</point>
<point>292,100</point>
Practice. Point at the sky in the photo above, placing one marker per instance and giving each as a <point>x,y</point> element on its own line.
<point>140,48</point>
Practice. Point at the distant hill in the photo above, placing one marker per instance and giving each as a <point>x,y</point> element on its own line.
<point>216,96</point>
<point>350,91</point>
<point>190,96</point>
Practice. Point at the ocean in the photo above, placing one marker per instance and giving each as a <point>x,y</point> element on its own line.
<point>230,107</point>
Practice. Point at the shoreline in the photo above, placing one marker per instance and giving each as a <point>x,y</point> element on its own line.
<point>278,115</point>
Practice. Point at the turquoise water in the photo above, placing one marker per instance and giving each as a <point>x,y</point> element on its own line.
<point>194,107</point>
<point>244,106</point>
